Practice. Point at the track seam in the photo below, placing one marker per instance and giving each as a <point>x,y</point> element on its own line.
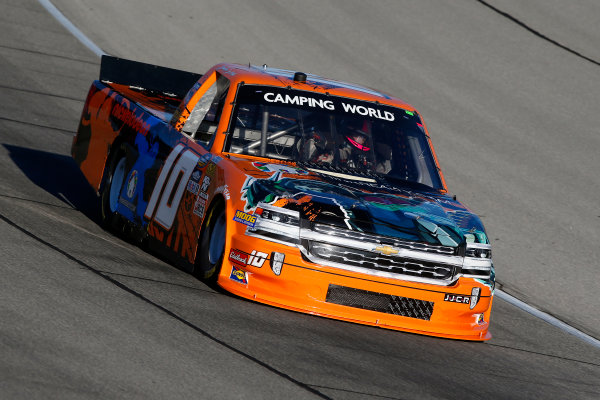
<point>170,313</point>
<point>18,89</point>
<point>46,54</point>
<point>38,125</point>
<point>537,33</point>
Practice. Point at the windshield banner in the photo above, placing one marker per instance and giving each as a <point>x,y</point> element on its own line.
<point>310,100</point>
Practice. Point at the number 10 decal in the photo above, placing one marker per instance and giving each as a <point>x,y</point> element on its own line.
<point>168,195</point>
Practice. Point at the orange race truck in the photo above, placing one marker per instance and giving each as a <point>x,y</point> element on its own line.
<point>289,189</point>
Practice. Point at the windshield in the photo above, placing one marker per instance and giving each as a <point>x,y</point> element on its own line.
<point>332,133</point>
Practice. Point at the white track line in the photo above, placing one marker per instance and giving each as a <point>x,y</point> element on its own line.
<point>547,317</point>
<point>504,296</point>
<point>71,28</point>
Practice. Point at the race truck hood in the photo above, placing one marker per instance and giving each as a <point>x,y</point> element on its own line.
<point>370,206</point>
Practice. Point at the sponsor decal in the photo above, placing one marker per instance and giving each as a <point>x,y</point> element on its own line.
<point>132,184</point>
<point>298,100</point>
<point>193,187</point>
<point>257,258</point>
<point>368,111</point>
<point>238,275</point>
<point>205,183</point>
<point>203,195</point>
<point>456,298</point>
<point>328,104</point>
<point>238,256</point>
<point>244,218</point>
<point>129,118</point>
<point>199,207</point>
<point>196,175</point>
<point>386,250</point>
<point>211,169</point>
<point>480,319</point>
<point>204,160</point>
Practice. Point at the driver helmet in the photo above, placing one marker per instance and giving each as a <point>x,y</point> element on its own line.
<point>357,137</point>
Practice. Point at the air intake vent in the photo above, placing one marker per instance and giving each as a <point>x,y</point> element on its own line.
<point>385,303</point>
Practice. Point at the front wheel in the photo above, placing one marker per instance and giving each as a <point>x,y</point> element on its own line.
<point>212,245</point>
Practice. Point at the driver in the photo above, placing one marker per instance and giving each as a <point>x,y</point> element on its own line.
<point>316,148</point>
<point>355,151</point>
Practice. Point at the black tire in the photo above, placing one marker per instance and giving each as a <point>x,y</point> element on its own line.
<point>211,247</point>
<point>110,192</point>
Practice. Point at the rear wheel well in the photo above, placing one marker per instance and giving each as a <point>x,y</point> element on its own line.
<point>118,146</point>
<point>113,152</point>
<point>119,151</point>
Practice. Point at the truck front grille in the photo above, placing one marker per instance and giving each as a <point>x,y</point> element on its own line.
<point>380,262</point>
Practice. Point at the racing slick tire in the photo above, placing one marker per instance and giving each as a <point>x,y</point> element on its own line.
<point>211,247</point>
<point>109,197</point>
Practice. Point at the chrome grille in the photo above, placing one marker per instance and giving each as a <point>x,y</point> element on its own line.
<point>399,243</point>
<point>379,262</point>
<point>385,303</point>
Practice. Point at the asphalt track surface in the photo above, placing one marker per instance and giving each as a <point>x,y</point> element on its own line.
<point>510,94</point>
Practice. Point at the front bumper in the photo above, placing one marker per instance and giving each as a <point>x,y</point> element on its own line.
<point>303,286</point>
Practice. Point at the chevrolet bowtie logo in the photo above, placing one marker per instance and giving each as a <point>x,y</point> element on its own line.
<point>386,250</point>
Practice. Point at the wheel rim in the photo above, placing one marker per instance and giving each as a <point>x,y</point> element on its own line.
<point>216,247</point>
<point>116,184</point>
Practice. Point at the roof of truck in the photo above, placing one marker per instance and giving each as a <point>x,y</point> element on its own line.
<point>264,75</point>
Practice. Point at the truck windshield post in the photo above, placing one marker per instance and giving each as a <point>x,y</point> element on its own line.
<point>263,133</point>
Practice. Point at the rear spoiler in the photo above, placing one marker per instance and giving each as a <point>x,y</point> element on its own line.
<point>147,76</point>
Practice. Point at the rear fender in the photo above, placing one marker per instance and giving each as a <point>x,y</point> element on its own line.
<point>99,133</point>
<point>95,134</point>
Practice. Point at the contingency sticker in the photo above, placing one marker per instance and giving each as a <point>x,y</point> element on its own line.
<point>238,256</point>
<point>238,275</point>
<point>132,184</point>
<point>193,187</point>
<point>244,218</point>
<point>199,207</point>
<point>205,183</point>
